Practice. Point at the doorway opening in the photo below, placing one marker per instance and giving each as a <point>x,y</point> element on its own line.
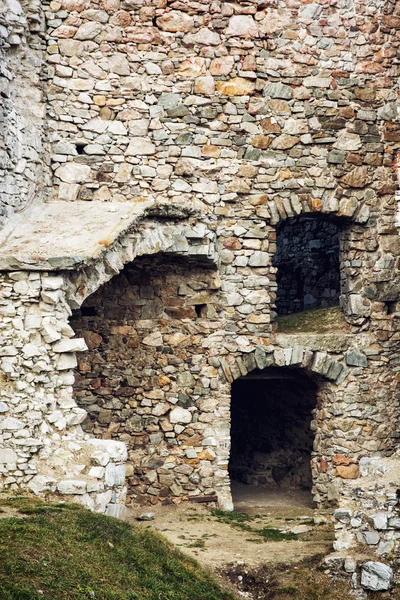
<point>271,436</point>
<point>308,266</point>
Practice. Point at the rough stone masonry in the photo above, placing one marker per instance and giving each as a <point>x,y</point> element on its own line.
<point>151,151</point>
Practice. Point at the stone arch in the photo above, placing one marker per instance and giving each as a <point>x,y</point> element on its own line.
<point>347,208</point>
<point>312,361</point>
<point>195,241</point>
<point>191,247</point>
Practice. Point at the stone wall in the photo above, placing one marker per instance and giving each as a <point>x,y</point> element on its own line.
<point>145,329</point>
<point>232,118</point>
<point>42,445</point>
<point>307,259</point>
<point>22,108</point>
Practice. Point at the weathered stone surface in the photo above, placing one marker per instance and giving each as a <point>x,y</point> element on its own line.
<point>358,177</point>
<point>356,358</point>
<point>140,147</point>
<point>180,415</point>
<point>348,471</point>
<point>88,31</point>
<point>235,87</point>
<point>376,576</point>
<point>278,90</point>
<point>73,173</point>
<point>175,21</point>
<point>242,26</point>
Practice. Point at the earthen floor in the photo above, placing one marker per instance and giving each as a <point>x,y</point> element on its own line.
<point>197,531</point>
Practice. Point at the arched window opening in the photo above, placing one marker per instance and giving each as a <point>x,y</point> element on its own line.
<point>271,435</point>
<point>307,262</point>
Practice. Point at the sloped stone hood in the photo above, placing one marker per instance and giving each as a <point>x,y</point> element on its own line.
<point>65,235</point>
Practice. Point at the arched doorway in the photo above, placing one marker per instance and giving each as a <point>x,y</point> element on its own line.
<point>271,435</point>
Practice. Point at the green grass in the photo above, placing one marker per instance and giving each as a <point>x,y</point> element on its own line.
<point>241,520</point>
<point>65,552</point>
<point>318,320</point>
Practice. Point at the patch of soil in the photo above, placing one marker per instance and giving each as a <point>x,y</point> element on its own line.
<point>302,581</point>
<point>217,540</point>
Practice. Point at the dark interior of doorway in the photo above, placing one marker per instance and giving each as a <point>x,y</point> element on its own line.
<point>308,265</point>
<point>271,436</point>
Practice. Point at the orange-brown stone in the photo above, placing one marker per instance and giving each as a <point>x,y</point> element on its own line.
<point>238,86</point>
<point>348,472</point>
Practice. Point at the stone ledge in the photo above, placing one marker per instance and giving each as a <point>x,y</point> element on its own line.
<point>65,235</point>
<point>328,342</point>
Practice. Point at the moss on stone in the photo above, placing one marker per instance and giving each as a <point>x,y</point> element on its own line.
<point>319,320</point>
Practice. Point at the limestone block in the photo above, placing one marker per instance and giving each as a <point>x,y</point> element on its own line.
<point>117,451</point>
<point>318,82</point>
<point>343,515</point>
<point>175,21</point>
<point>88,31</point>
<point>73,173</point>
<point>140,147</point>
<point>116,510</point>
<point>379,521</point>
<point>205,85</point>
<point>358,305</point>
<point>70,345</point>
<point>66,361</point>
<point>394,522</point>
<point>222,65</point>
<point>356,178</point>
<point>385,547</point>
<point>7,455</point>
<point>191,453</point>
<point>72,486</point>
<point>278,90</point>
<point>348,471</point>
<point>76,417</point>
<point>154,339</point>
<point>242,26</point>
<point>350,565</point>
<point>41,483</point>
<point>180,415</point>
<point>118,63</point>
<point>376,576</point>
<point>52,282</point>
<point>50,334</point>
<point>347,141</point>
<point>238,86</point>
<point>204,37</point>
<point>11,424</point>
<point>102,500</point>
<point>115,475</point>
<point>100,458</point>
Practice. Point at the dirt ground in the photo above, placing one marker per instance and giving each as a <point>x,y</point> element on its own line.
<point>220,540</point>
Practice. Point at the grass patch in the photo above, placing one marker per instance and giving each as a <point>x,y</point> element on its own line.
<point>241,520</point>
<point>271,534</point>
<point>318,320</point>
<point>65,552</point>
